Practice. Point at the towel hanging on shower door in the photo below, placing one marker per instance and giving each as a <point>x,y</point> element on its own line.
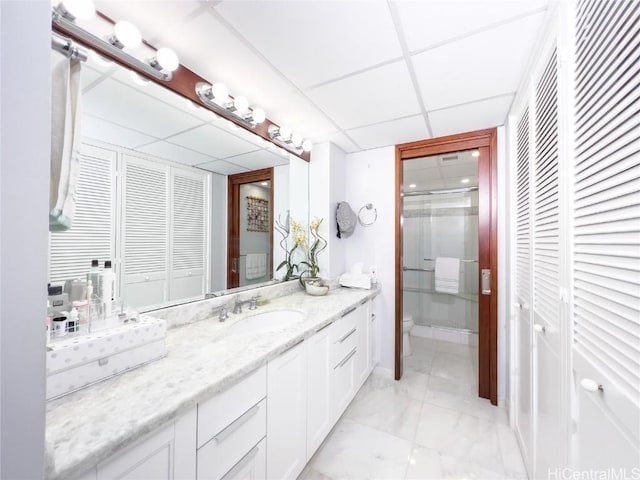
<point>447,275</point>
<point>65,143</point>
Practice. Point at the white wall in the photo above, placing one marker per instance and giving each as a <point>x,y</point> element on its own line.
<point>281,188</point>
<point>369,178</point>
<point>327,187</point>
<point>218,243</point>
<point>503,269</point>
<point>25,40</point>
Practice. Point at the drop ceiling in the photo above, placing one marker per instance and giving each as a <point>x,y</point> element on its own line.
<point>362,74</point>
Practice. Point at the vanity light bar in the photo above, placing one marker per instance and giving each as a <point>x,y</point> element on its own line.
<point>156,69</point>
<point>292,141</point>
<point>217,98</point>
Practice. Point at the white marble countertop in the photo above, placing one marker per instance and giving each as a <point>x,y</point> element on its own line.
<point>88,426</point>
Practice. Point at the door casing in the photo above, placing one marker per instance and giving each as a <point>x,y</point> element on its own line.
<point>486,142</point>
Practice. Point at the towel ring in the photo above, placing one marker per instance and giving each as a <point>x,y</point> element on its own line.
<point>368,206</point>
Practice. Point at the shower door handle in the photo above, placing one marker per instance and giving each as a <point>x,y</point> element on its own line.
<point>486,281</point>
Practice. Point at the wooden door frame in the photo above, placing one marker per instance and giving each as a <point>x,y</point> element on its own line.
<point>233,218</point>
<point>488,227</point>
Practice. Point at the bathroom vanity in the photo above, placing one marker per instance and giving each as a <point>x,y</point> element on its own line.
<point>251,397</point>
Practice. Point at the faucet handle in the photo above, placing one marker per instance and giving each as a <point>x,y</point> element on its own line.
<point>224,314</point>
<point>253,302</point>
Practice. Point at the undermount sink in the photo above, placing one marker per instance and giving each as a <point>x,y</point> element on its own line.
<point>262,322</point>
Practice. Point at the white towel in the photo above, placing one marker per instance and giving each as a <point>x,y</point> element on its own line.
<point>447,275</point>
<point>65,143</point>
<point>255,265</point>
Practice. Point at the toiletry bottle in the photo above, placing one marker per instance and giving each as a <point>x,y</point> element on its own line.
<point>72,321</point>
<point>49,321</point>
<point>107,281</point>
<point>94,276</point>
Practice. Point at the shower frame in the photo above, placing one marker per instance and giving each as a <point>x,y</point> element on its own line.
<point>486,142</point>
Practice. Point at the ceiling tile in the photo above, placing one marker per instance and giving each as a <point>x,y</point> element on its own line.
<point>175,153</point>
<point>484,65</point>
<point>212,141</point>
<point>259,159</point>
<point>99,129</point>
<point>130,108</point>
<point>312,42</point>
<point>88,76</point>
<point>453,170</point>
<point>469,117</point>
<point>431,162</point>
<point>298,112</point>
<point>456,182</point>
<point>222,167</point>
<point>390,133</point>
<point>342,141</point>
<point>382,94</point>
<point>429,23</point>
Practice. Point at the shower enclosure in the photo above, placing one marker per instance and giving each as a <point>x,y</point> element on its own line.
<point>440,219</point>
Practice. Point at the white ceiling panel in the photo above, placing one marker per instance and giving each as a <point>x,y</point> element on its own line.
<point>88,76</point>
<point>378,95</point>
<point>342,141</point>
<point>222,167</point>
<point>456,182</point>
<point>298,112</point>
<point>428,23</point>
<point>99,129</point>
<point>207,47</point>
<point>112,101</point>
<point>312,42</point>
<point>175,153</point>
<point>469,117</point>
<point>259,159</point>
<point>390,133</point>
<point>480,66</point>
<point>212,141</point>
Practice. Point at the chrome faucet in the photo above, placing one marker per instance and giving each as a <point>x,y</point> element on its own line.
<point>237,305</point>
<point>222,312</point>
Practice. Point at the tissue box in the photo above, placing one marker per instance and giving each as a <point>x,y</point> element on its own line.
<point>78,361</point>
<point>355,280</point>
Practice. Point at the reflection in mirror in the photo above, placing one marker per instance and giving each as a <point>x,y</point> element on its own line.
<point>153,193</point>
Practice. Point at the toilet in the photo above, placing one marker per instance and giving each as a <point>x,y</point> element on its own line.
<point>407,323</point>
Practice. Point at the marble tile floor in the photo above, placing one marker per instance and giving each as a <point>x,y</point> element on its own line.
<point>429,425</point>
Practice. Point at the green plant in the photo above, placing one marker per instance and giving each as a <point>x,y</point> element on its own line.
<point>317,246</point>
<point>290,228</point>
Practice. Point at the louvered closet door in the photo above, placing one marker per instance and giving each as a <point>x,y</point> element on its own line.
<point>92,233</point>
<point>606,236</point>
<point>546,275</point>
<point>188,234</point>
<point>145,228</point>
<point>524,394</point>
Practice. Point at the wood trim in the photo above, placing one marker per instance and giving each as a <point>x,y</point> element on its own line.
<point>486,142</point>
<point>233,218</point>
<point>183,83</point>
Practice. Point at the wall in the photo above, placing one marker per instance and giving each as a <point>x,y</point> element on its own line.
<point>327,187</point>
<point>24,196</point>
<point>218,235</point>
<point>280,208</point>
<point>369,178</point>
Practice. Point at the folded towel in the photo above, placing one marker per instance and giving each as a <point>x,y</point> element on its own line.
<point>356,280</point>
<point>255,266</point>
<point>65,143</point>
<point>447,275</point>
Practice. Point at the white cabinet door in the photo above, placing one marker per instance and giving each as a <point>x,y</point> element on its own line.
<point>286,414</point>
<point>167,454</point>
<point>319,419</point>
<point>363,343</point>
<point>342,384</point>
<point>374,336</point>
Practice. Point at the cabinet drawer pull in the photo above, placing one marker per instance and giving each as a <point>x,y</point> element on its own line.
<point>364,301</point>
<point>242,462</point>
<point>348,312</point>
<point>347,335</point>
<point>236,424</point>
<point>373,317</point>
<point>322,328</point>
<point>346,359</point>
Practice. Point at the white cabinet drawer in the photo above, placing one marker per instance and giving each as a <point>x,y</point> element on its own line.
<point>343,326</point>
<point>344,345</point>
<point>252,466</point>
<point>216,414</point>
<point>231,445</point>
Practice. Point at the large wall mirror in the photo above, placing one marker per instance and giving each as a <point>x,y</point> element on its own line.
<point>154,197</point>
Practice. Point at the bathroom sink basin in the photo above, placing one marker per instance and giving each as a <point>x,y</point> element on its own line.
<point>266,321</point>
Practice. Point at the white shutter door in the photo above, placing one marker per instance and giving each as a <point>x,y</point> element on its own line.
<point>549,422</point>
<point>92,233</point>
<point>188,233</point>
<point>145,219</point>
<point>606,236</point>
<point>523,285</point>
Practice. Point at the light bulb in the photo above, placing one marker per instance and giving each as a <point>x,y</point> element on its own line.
<point>412,185</point>
<point>258,115</point>
<point>126,34</point>
<point>220,92</point>
<point>285,133</point>
<point>138,79</point>
<point>81,9</point>
<point>475,153</point>
<point>167,59</point>
<point>296,139</point>
<point>241,104</point>
<point>307,146</point>
<point>99,60</point>
<point>464,180</point>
